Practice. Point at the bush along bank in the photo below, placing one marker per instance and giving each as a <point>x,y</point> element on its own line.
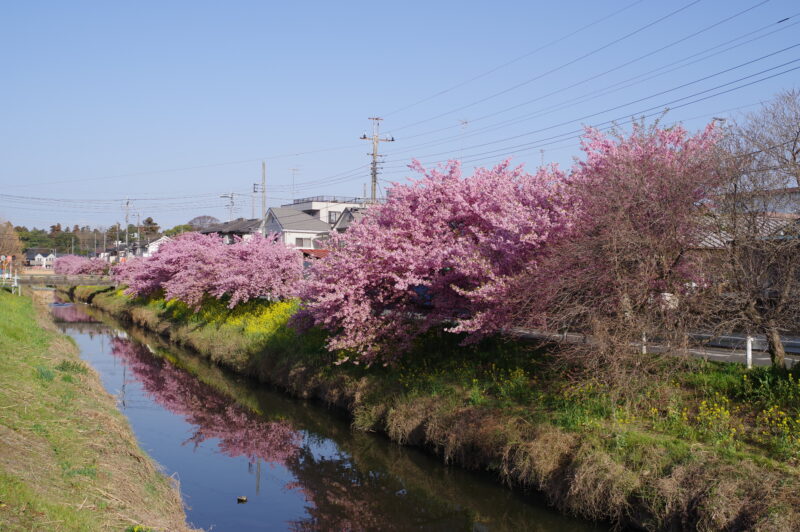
<point>711,447</point>
<point>68,459</point>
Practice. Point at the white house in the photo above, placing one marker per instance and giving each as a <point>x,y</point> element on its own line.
<point>153,246</point>
<point>40,257</point>
<point>325,208</point>
<point>296,228</point>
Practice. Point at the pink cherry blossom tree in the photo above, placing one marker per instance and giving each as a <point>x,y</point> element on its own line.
<point>193,265</point>
<point>626,270</point>
<point>260,266</point>
<point>442,250</point>
<point>77,265</point>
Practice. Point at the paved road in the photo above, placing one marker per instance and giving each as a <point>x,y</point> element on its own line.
<point>721,349</point>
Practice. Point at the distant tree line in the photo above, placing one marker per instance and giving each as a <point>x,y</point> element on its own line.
<point>87,240</point>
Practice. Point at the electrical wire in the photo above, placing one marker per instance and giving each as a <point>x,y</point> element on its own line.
<point>615,87</point>
<point>512,61</point>
<point>552,70</point>
<point>660,106</point>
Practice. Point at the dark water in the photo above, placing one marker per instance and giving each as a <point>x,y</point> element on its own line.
<point>299,464</point>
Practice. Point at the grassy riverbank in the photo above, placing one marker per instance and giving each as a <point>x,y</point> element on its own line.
<point>68,459</point>
<point>705,446</point>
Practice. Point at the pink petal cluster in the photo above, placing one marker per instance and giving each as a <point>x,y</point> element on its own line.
<point>77,265</point>
<point>194,265</point>
<point>442,249</point>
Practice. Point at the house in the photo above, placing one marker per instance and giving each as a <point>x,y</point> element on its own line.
<point>120,252</point>
<point>325,208</point>
<point>153,246</point>
<point>348,217</point>
<point>296,228</point>
<point>715,237</point>
<point>40,257</point>
<point>244,228</point>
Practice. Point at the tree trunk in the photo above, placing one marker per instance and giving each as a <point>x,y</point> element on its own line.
<point>776,350</point>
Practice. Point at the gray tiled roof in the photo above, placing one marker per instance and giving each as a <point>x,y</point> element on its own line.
<point>293,220</point>
<point>31,253</point>
<point>350,216</point>
<point>240,226</point>
<point>767,226</point>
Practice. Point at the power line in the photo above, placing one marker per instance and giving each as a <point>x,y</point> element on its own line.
<point>619,85</point>
<point>182,169</point>
<point>512,61</point>
<point>614,123</point>
<point>552,70</point>
<point>584,117</point>
<point>576,134</point>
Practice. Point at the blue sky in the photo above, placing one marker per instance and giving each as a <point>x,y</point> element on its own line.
<point>174,103</point>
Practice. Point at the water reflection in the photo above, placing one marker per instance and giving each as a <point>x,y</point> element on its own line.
<point>216,431</point>
<point>239,431</point>
<point>339,496</point>
<point>69,313</point>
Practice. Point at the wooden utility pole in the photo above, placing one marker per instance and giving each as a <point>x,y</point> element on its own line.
<point>376,139</point>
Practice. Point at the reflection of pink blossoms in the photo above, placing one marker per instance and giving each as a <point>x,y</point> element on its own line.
<point>70,314</point>
<point>239,431</point>
<point>75,265</point>
<point>194,265</point>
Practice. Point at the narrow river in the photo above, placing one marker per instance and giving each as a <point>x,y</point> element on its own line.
<point>298,464</point>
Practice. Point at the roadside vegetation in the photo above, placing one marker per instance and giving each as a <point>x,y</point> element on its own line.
<point>68,460</point>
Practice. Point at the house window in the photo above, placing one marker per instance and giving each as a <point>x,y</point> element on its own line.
<point>333,216</point>
<point>304,243</point>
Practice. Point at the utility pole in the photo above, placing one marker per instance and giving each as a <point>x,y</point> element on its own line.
<point>375,138</point>
<point>127,209</point>
<point>230,204</point>
<point>263,189</point>
<point>138,232</point>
